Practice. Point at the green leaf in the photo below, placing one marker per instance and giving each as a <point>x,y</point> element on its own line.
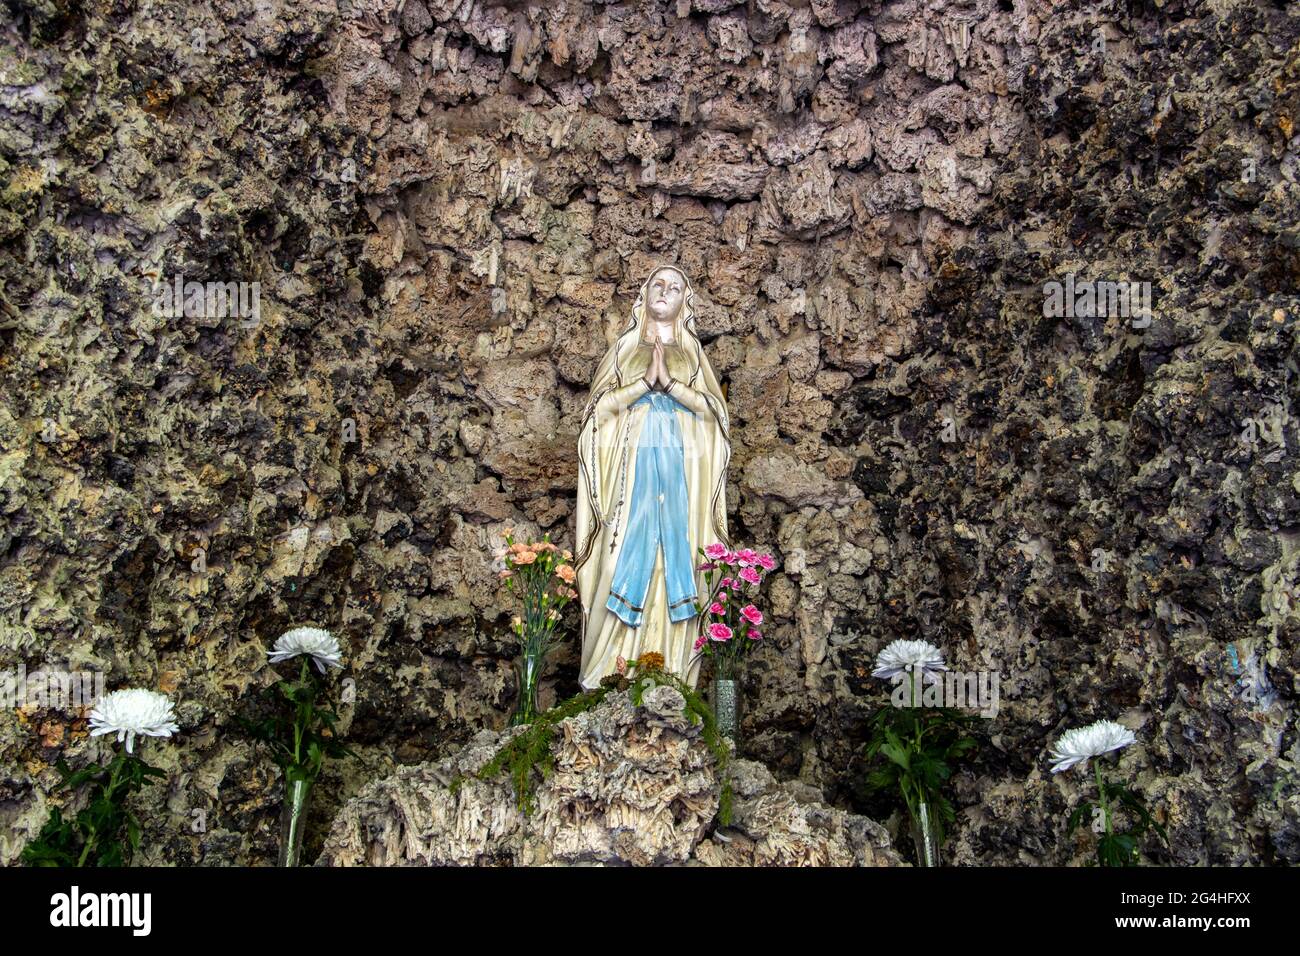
<point>881,778</point>
<point>75,780</point>
<point>1134,803</point>
<point>1082,810</point>
<point>962,745</point>
<point>896,754</point>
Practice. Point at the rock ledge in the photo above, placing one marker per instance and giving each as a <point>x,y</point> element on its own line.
<point>632,786</point>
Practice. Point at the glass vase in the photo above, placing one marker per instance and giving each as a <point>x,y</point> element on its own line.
<point>724,698</point>
<point>293,821</point>
<point>528,670</point>
<point>925,836</point>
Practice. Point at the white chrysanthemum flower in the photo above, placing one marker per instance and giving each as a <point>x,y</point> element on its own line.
<point>130,712</point>
<point>314,641</point>
<point>902,656</point>
<point>1076,746</point>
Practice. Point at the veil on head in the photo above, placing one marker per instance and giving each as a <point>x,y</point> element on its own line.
<point>613,367</point>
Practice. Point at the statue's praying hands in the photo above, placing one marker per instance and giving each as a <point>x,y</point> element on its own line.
<point>657,374</point>
<point>661,365</point>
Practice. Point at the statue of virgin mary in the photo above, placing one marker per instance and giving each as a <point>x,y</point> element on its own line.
<point>652,463</point>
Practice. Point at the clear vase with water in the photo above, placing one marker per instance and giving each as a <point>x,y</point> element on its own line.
<point>528,671</point>
<point>925,835</point>
<point>293,821</point>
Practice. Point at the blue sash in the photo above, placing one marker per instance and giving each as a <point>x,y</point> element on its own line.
<point>657,519</point>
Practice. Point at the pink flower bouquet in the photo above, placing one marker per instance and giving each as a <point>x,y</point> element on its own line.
<point>729,616</point>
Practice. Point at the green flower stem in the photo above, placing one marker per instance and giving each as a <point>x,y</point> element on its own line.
<point>919,724</point>
<point>300,722</point>
<point>1101,795</point>
<point>92,838</point>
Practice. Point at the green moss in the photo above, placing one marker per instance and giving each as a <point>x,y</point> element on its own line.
<point>528,755</point>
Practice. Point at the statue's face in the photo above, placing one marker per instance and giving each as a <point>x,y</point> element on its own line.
<point>665,293</point>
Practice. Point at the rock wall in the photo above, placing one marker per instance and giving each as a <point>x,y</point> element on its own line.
<point>448,208</point>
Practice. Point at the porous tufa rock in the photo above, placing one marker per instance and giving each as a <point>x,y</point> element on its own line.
<point>631,785</point>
